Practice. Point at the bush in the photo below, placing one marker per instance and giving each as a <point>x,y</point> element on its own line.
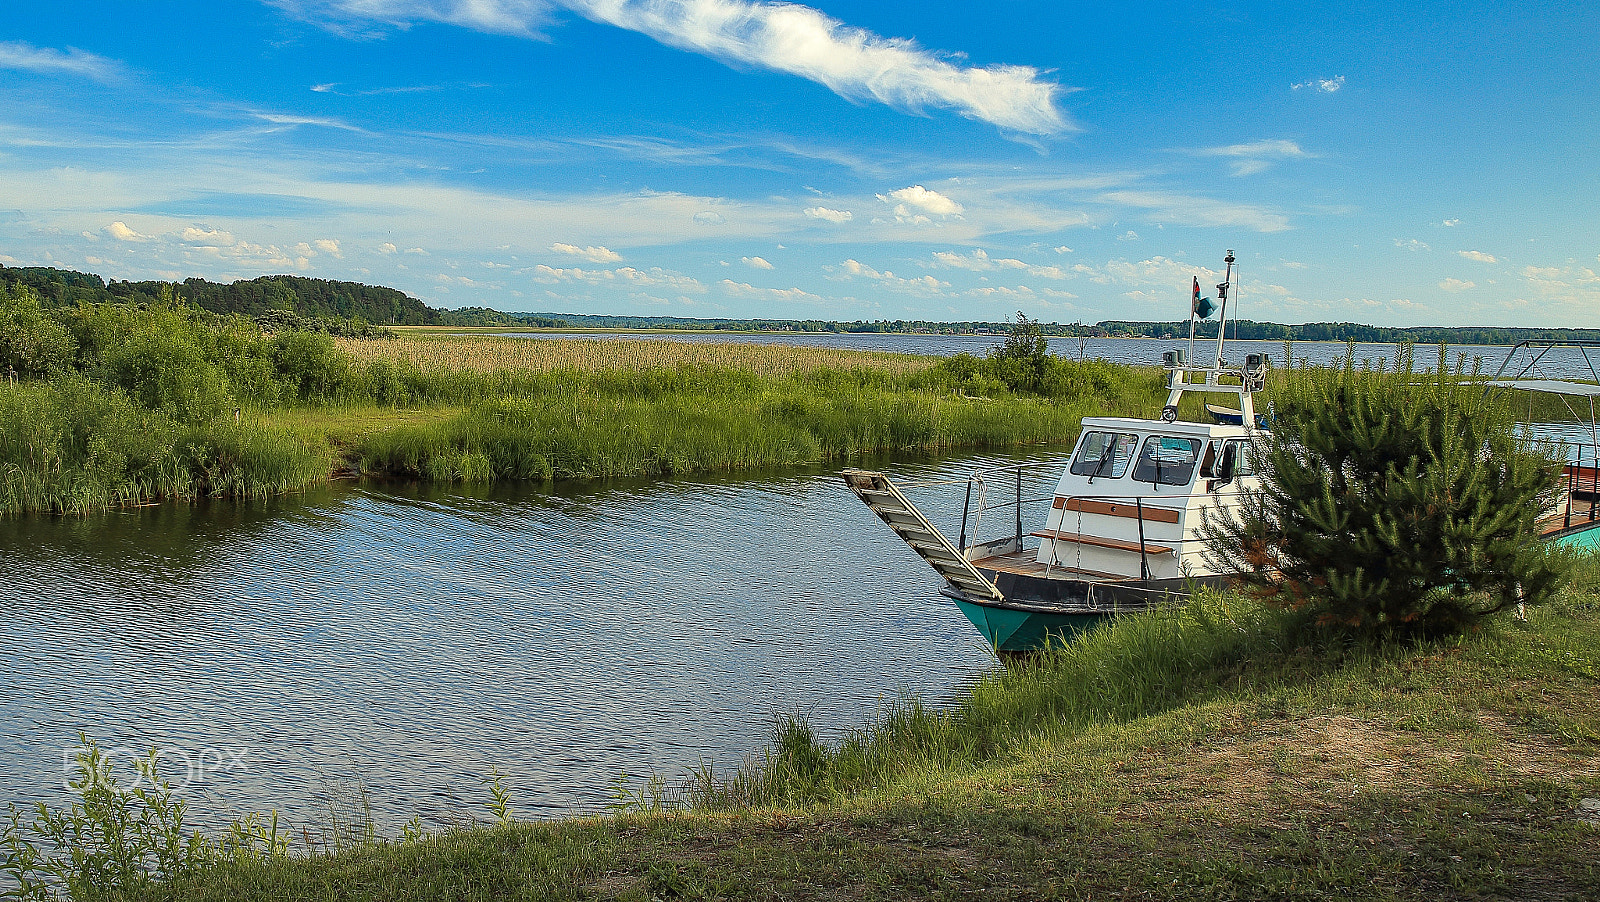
<point>310,364</point>
<point>32,343</point>
<point>1393,504</point>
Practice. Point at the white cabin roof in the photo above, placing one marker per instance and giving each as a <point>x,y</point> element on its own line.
<point>1179,427</point>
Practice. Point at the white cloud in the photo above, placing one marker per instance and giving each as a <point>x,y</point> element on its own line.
<point>1129,235</point>
<point>746,290</point>
<point>625,276</point>
<point>980,261</point>
<point>854,63</point>
<point>710,217</point>
<point>387,248</point>
<point>1324,85</point>
<point>829,215</point>
<point>49,61</point>
<point>755,262</point>
<point>1478,256</point>
<point>1451,222</point>
<point>1063,249</point>
<point>1456,285</point>
<point>1182,209</point>
<point>1576,285</point>
<point>783,37</point>
<point>329,246</point>
<point>208,237</point>
<point>120,231</point>
<point>1255,156</point>
<point>289,119</point>
<point>1411,244</point>
<point>918,285</point>
<point>921,198</point>
<point>592,253</point>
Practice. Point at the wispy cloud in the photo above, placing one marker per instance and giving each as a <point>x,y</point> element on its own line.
<point>1456,285</point>
<point>1412,244</point>
<point>49,61</point>
<point>1248,159</point>
<point>626,276</point>
<point>357,17</point>
<point>1478,256</point>
<point>783,37</point>
<point>980,261</point>
<point>1184,209</point>
<point>853,62</point>
<point>756,262</point>
<point>293,120</point>
<point>746,290</point>
<point>1322,85</point>
<point>856,269</point>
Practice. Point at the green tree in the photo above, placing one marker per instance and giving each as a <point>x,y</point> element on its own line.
<point>32,343</point>
<point>1023,360</point>
<point>1394,504</point>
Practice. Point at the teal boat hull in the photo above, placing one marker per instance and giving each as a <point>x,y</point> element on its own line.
<point>1015,630</point>
<point>1037,612</point>
<point>1585,538</point>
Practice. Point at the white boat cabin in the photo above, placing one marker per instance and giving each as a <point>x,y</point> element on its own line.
<point>1130,502</point>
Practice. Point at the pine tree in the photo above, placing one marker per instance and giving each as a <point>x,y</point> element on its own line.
<point>1396,504</point>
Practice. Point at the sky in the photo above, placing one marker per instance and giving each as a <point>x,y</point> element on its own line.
<point>1427,163</point>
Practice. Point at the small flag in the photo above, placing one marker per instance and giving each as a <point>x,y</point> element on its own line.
<point>1203,307</point>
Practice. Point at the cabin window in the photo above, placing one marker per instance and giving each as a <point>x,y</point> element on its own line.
<point>1105,454</point>
<point>1246,463</point>
<point>1167,460</point>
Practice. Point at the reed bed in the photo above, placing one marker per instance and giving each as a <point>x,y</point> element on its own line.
<point>501,354</point>
<point>73,446</point>
<point>580,436</point>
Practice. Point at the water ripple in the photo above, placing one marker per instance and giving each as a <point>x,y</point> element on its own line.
<point>408,640</point>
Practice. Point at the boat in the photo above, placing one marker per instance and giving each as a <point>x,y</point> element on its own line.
<point>1121,531</point>
<point>1571,515</point>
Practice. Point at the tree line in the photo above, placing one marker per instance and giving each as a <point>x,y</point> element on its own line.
<point>352,308</point>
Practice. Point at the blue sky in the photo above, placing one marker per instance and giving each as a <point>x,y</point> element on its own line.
<point>1423,163</point>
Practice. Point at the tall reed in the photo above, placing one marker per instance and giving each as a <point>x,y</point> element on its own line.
<point>74,446</point>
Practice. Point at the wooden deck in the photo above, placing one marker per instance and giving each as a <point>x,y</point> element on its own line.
<point>1022,563</point>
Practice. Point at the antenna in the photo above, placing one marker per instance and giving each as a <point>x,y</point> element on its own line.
<point>1222,297</point>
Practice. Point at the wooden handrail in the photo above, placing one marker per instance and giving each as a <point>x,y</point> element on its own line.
<point>1117,509</point>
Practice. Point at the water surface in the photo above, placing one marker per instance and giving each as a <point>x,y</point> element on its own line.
<point>411,640</point>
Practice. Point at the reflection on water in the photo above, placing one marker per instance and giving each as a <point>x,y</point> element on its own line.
<point>412,640</point>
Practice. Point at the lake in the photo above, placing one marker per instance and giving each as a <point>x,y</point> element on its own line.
<point>405,640</point>
<point>1559,363</point>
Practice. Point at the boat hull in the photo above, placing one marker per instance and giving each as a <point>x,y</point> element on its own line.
<point>1580,538</point>
<point>1039,612</point>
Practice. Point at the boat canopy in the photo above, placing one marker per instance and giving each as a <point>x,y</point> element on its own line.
<point>1549,386</point>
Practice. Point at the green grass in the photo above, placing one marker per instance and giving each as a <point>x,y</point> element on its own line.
<point>478,410</point>
<point>1213,752</point>
<point>73,446</point>
<point>693,419</point>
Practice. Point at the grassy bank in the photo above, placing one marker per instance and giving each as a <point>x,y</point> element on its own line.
<point>1212,752</point>
<point>121,405</point>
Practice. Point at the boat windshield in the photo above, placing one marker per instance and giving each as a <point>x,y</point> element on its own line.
<point>1167,460</point>
<point>1105,454</point>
